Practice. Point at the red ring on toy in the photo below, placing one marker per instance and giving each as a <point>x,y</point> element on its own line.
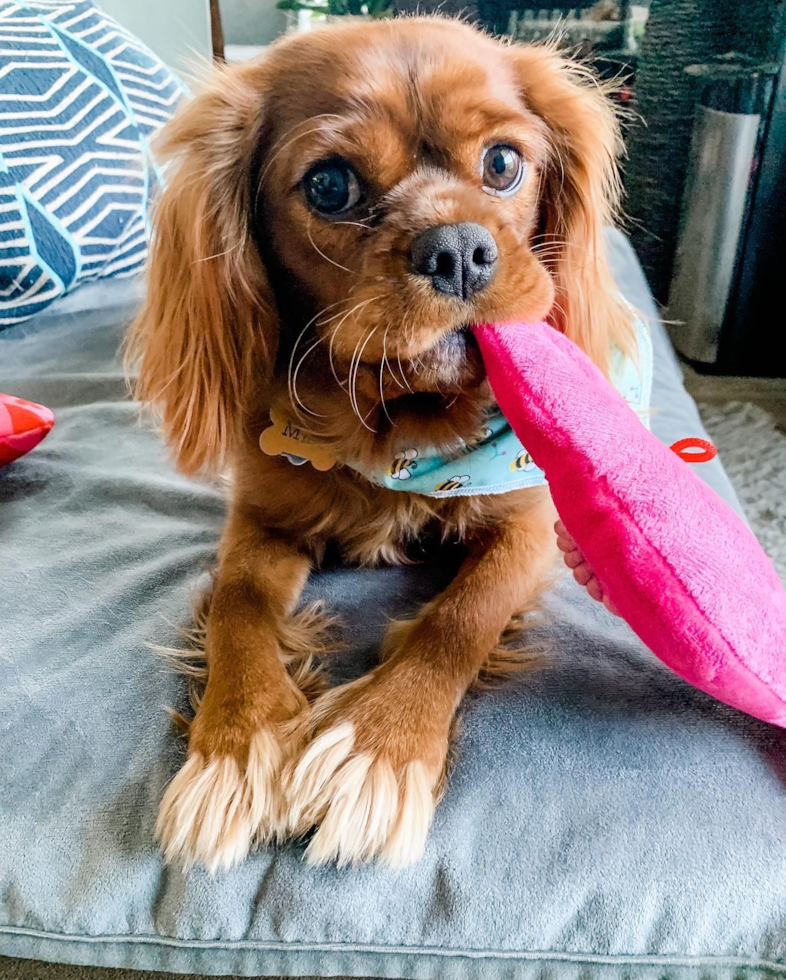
<point>693,450</point>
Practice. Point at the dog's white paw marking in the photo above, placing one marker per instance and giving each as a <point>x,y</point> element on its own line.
<point>363,809</point>
<point>213,811</point>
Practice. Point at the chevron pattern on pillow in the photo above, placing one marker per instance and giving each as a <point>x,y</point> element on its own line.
<point>79,99</point>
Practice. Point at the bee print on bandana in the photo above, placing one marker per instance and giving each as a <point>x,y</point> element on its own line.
<point>454,483</point>
<point>402,466</point>
<point>523,462</point>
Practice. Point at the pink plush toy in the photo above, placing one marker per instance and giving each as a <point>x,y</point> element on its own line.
<point>649,538</point>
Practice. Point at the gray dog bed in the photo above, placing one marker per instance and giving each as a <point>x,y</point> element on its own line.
<point>603,818</point>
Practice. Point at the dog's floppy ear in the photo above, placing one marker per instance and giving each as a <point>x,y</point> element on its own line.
<point>580,195</point>
<point>208,330</point>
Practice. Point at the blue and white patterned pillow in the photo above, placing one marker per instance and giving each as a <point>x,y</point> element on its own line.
<point>79,99</point>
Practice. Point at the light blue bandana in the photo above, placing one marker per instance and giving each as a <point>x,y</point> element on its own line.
<point>498,462</point>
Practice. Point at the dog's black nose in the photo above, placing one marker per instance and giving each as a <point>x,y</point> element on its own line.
<point>459,259</point>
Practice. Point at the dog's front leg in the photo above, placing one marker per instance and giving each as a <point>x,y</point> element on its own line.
<point>228,792</point>
<point>371,775</point>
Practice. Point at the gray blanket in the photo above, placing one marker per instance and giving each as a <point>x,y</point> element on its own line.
<point>603,819</point>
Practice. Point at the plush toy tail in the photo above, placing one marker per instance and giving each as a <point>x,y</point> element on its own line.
<point>675,560</point>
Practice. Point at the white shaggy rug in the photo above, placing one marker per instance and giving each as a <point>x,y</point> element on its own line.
<point>753,450</point>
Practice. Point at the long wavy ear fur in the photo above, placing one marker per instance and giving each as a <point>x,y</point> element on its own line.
<point>580,196</point>
<point>208,329</point>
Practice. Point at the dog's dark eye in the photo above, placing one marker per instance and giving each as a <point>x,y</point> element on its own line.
<point>332,187</point>
<point>503,169</point>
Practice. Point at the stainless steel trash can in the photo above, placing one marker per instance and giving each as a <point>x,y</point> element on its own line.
<point>722,157</point>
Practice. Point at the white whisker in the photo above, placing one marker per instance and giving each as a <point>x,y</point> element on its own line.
<point>336,329</point>
<point>353,384</point>
<point>403,375</point>
<point>276,150</point>
<point>330,357</point>
<point>349,378</point>
<point>319,251</point>
<point>292,393</point>
<point>356,224</point>
<point>381,373</point>
<point>293,387</point>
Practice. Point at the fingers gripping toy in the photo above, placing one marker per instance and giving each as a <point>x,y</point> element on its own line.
<point>670,557</point>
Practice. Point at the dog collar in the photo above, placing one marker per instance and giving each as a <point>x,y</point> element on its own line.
<point>495,463</point>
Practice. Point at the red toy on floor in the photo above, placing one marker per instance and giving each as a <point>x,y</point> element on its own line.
<point>23,425</point>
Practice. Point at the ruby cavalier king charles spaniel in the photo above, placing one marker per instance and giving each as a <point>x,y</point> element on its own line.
<point>335,215</point>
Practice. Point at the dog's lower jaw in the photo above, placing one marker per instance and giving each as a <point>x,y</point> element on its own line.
<point>449,367</point>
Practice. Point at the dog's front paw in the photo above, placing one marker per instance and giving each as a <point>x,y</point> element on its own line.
<point>218,804</point>
<point>370,776</point>
<point>228,794</point>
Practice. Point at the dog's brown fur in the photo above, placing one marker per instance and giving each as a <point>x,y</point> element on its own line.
<point>255,301</point>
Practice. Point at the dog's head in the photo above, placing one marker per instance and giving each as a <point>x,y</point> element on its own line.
<point>338,213</point>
